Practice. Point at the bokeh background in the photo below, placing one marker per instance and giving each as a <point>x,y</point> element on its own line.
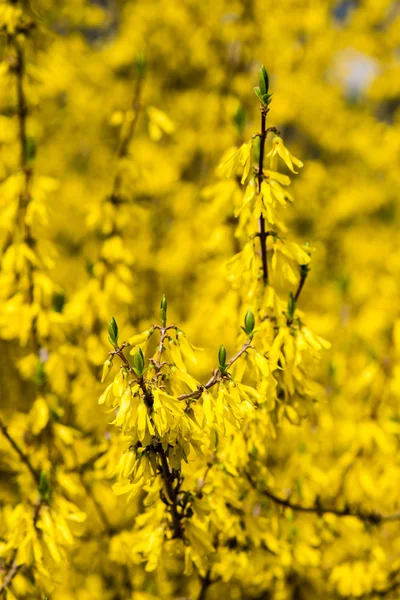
<point>181,74</point>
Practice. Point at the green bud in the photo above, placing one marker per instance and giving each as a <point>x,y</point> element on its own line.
<point>138,363</point>
<point>263,85</point>
<point>291,306</point>
<point>222,357</point>
<point>263,77</point>
<point>58,301</point>
<point>249,323</point>
<point>113,332</point>
<point>163,310</point>
<point>44,487</point>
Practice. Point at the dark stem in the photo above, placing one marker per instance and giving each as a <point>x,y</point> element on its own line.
<point>262,233</point>
<point>22,455</point>
<point>11,573</point>
<point>216,376</point>
<point>303,277</point>
<point>172,493</point>
<point>347,511</point>
<point>205,583</point>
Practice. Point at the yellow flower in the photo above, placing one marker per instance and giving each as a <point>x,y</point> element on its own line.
<point>242,157</point>
<point>278,148</point>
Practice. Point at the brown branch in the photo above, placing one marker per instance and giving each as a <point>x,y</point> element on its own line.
<point>216,376</point>
<point>304,270</point>
<point>163,334</point>
<point>166,472</point>
<point>317,508</point>
<point>25,459</point>
<point>11,573</point>
<point>205,583</point>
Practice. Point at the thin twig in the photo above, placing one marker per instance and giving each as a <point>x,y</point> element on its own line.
<point>25,459</point>
<point>172,494</point>
<point>216,376</point>
<point>260,175</point>
<point>11,573</point>
<point>304,270</point>
<point>205,583</point>
<point>125,140</point>
<point>317,508</point>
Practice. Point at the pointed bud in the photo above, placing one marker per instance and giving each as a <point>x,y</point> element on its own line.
<point>163,310</point>
<point>222,357</point>
<point>113,332</point>
<point>44,487</point>
<point>249,323</point>
<point>263,75</point>
<point>138,363</point>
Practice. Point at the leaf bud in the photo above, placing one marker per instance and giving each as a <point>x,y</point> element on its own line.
<point>113,332</point>
<point>163,310</point>
<point>222,358</point>
<point>264,75</point>
<point>249,323</point>
<point>263,81</point>
<point>44,487</point>
<point>138,363</point>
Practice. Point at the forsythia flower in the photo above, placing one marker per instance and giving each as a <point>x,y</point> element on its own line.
<point>278,148</point>
<point>266,464</point>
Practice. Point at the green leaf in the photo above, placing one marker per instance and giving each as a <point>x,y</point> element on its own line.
<point>113,331</point>
<point>138,363</point>
<point>267,99</point>
<point>258,94</point>
<point>163,310</point>
<point>261,82</point>
<point>265,78</point>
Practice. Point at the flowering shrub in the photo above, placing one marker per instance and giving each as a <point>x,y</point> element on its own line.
<point>265,463</point>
